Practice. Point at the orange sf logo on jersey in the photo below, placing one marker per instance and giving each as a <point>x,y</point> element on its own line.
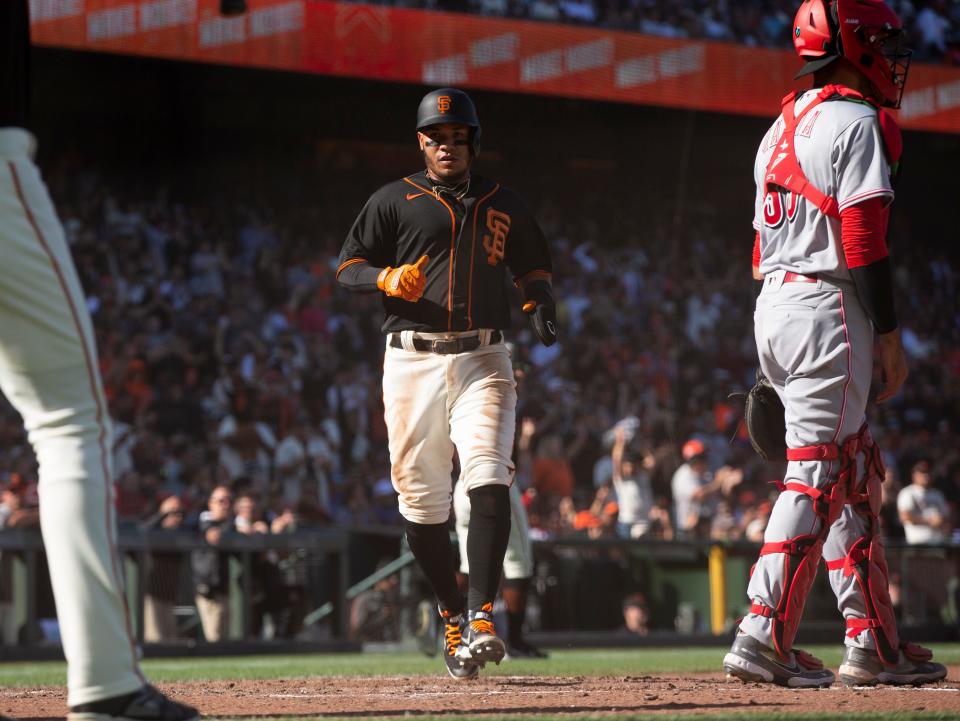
<point>443,103</point>
<point>498,223</point>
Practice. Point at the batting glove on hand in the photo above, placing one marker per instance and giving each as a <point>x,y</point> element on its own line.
<point>542,310</point>
<point>405,281</point>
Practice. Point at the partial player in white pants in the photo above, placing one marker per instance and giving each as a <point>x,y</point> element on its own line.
<point>517,566</point>
<point>48,371</point>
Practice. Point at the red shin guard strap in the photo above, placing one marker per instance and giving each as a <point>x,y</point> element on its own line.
<point>760,610</point>
<point>857,625</point>
<point>798,545</point>
<point>820,452</point>
<point>855,556</point>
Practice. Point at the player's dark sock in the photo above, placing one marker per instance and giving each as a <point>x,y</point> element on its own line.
<point>515,598</point>
<point>487,537</point>
<point>430,544</point>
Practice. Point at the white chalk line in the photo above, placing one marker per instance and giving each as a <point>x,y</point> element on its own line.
<point>553,691</point>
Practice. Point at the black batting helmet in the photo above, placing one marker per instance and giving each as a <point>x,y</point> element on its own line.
<point>449,105</point>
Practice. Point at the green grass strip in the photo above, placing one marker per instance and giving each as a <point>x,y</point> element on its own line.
<point>569,662</point>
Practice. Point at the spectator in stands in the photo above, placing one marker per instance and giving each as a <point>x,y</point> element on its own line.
<point>162,575</point>
<point>552,473</point>
<point>636,615</point>
<point>923,509</point>
<point>384,502</point>
<point>246,445</point>
<point>932,27</point>
<point>304,457</point>
<point>596,517</point>
<point>17,510</point>
<point>757,524</point>
<point>375,613</point>
<point>210,567</point>
<point>889,514</point>
<point>661,525</point>
<point>19,504</point>
<point>631,481</point>
<point>247,517</point>
<point>694,489</point>
<point>724,524</point>
<point>266,584</point>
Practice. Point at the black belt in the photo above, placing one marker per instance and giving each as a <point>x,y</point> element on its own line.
<point>446,346</point>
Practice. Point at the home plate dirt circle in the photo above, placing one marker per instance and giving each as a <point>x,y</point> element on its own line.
<point>667,694</point>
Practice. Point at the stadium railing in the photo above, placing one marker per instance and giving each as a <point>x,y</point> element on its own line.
<point>693,590</point>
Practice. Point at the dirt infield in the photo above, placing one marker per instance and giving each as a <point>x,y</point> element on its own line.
<point>412,696</point>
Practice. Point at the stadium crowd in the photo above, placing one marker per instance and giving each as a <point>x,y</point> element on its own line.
<point>244,385</point>
<point>231,357</point>
<point>933,26</point>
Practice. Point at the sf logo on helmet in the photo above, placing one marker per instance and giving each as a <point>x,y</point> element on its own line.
<point>443,103</point>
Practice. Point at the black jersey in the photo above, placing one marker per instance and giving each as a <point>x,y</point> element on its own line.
<point>477,244</point>
<point>14,63</point>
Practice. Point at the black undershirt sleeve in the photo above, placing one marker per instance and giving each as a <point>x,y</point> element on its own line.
<point>874,284</point>
<point>359,277</point>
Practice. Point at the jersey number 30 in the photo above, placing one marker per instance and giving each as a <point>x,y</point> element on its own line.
<point>773,208</point>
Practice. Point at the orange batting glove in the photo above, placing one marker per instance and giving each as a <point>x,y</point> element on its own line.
<point>405,281</point>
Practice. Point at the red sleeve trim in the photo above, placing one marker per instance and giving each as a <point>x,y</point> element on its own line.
<point>756,250</point>
<point>863,232</point>
<point>885,193</point>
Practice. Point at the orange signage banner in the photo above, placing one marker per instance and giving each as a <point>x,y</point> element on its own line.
<point>434,48</point>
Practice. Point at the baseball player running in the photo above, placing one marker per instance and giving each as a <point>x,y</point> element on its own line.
<point>823,174</point>
<point>439,245</point>
<point>48,371</point>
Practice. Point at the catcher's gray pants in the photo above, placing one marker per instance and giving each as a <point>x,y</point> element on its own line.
<point>815,344</point>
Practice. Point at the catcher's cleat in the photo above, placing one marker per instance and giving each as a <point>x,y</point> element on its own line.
<point>457,667</point>
<point>147,704</point>
<point>863,667</point>
<point>754,662</point>
<point>480,642</point>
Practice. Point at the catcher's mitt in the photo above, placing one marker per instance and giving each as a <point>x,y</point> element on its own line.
<point>763,413</point>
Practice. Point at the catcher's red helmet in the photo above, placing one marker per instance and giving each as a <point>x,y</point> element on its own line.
<point>866,33</point>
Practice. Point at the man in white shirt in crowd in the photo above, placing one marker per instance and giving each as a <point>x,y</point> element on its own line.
<point>923,510</point>
<point>631,481</point>
<point>304,457</point>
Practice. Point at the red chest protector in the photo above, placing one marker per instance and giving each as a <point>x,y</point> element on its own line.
<point>784,171</point>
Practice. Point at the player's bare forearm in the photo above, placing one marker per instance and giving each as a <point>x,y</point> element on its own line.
<point>893,362</point>
<point>757,275</point>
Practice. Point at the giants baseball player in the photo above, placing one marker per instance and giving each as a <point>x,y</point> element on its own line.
<point>823,176</point>
<point>439,245</point>
<point>48,371</point>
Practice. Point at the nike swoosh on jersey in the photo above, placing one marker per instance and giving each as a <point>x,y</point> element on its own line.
<point>411,196</point>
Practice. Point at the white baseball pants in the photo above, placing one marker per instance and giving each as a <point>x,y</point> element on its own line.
<point>48,371</point>
<point>434,403</point>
